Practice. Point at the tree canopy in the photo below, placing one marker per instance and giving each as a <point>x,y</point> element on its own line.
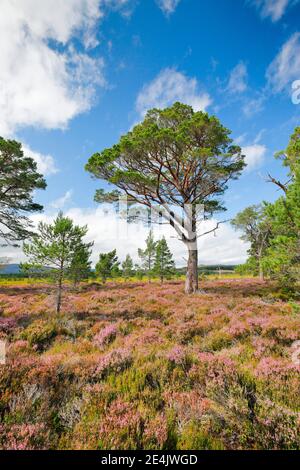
<point>164,265</point>
<point>147,255</point>
<point>80,267</point>
<point>108,265</point>
<point>19,179</point>
<point>127,267</point>
<point>255,227</point>
<point>276,226</point>
<point>54,248</point>
<point>282,259</point>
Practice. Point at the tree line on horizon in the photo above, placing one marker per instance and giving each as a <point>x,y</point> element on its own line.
<point>58,252</point>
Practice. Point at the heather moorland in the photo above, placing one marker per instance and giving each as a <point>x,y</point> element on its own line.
<point>138,365</point>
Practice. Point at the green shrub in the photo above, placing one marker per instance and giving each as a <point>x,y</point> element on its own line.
<point>195,438</point>
<point>40,334</point>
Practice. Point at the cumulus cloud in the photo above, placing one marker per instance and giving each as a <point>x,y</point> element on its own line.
<point>44,80</point>
<point>168,6</point>
<point>109,232</point>
<point>62,201</point>
<point>45,163</point>
<point>285,67</point>
<point>273,9</point>
<point>254,155</point>
<point>168,87</point>
<point>238,79</point>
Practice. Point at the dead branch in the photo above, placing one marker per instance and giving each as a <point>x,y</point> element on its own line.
<point>213,230</point>
<point>278,183</point>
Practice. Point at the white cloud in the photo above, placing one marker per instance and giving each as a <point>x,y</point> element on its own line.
<point>108,232</point>
<point>253,106</point>
<point>168,6</point>
<point>238,79</point>
<point>273,9</point>
<point>62,201</point>
<point>285,68</point>
<point>168,87</point>
<point>41,84</point>
<point>254,155</point>
<point>240,139</point>
<point>45,163</point>
<point>259,136</point>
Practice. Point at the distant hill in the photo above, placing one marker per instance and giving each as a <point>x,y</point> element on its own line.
<point>10,269</point>
<point>210,268</point>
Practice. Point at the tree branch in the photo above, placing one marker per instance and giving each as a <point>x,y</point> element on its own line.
<point>278,183</point>
<point>214,229</point>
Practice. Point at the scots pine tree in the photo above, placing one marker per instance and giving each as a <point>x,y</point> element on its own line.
<point>148,255</point>
<point>108,265</point>
<point>19,179</point>
<point>178,162</point>
<point>127,267</point>
<point>53,248</point>
<point>164,265</point>
<point>255,227</point>
<point>282,259</point>
<point>80,267</point>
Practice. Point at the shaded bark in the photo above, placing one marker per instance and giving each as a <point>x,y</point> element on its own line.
<point>59,287</point>
<point>260,265</point>
<point>59,295</point>
<point>191,282</point>
<point>261,271</point>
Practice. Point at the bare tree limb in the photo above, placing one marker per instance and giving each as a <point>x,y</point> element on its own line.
<point>278,183</point>
<point>214,229</point>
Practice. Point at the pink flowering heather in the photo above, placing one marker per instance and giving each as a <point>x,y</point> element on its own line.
<point>156,432</point>
<point>262,346</point>
<point>143,366</point>
<point>23,437</point>
<point>237,329</point>
<point>115,361</point>
<point>106,335</point>
<point>7,324</point>
<point>177,356</point>
<point>276,367</point>
<point>188,405</point>
<point>121,420</point>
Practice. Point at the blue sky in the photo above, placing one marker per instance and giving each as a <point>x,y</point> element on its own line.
<point>76,77</point>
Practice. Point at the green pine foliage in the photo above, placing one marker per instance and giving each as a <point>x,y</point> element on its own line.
<point>277,225</point>
<point>147,255</point>
<point>127,267</point>
<point>19,179</point>
<point>256,230</point>
<point>164,265</point>
<point>54,249</point>
<point>108,265</point>
<point>80,267</point>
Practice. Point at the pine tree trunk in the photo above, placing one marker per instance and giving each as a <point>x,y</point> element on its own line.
<point>149,271</point>
<point>191,282</point>
<point>261,272</point>
<point>59,294</point>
